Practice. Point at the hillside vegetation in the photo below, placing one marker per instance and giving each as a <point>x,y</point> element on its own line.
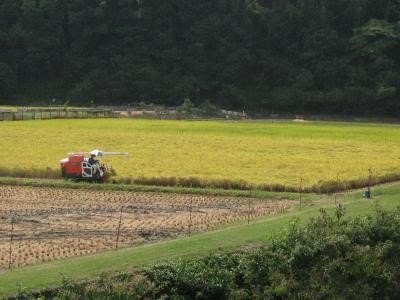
<point>300,56</point>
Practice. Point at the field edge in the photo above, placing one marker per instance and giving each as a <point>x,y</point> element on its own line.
<point>229,238</point>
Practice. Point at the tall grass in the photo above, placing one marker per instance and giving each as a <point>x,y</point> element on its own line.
<point>331,186</point>
<point>30,173</point>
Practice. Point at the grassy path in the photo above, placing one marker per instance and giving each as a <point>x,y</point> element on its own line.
<point>260,230</point>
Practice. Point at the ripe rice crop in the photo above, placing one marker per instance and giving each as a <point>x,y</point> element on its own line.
<point>271,155</point>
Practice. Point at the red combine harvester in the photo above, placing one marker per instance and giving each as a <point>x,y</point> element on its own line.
<point>77,167</point>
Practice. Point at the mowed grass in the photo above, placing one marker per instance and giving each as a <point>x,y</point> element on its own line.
<point>226,239</point>
<point>255,152</point>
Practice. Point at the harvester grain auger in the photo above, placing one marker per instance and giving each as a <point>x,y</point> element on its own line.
<point>84,166</point>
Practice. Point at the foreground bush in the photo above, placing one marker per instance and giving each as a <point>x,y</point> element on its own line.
<point>331,257</point>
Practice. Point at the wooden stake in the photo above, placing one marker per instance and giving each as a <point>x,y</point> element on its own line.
<point>11,240</point>
<point>19,252</point>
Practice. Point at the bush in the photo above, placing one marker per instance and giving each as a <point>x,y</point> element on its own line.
<point>208,278</point>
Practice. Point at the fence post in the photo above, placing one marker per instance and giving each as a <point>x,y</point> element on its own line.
<point>248,211</point>
<point>119,228</point>
<point>19,252</point>
<point>369,182</point>
<point>300,190</point>
<point>190,216</point>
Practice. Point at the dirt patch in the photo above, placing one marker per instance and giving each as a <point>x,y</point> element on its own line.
<point>56,223</point>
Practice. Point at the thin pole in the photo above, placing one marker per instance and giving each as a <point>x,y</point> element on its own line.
<point>301,190</point>
<point>190,216</point>
<point>369,182</point>
<point>11,240</point>
<point>119,228</point>
<point>249,207</point>
<point>337,186</point>
<point>248,211</point>
<point>19,252</point>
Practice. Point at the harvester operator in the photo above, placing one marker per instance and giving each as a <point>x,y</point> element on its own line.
<point>94,163</point>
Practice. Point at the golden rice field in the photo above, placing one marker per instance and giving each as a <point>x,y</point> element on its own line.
<point>263,152</point>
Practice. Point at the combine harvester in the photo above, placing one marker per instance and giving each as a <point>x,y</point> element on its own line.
<point>77,167</point>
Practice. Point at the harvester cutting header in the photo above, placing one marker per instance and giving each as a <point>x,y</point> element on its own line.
<point>77,166</point>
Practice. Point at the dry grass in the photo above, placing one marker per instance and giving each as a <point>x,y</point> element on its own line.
<point>57,223</point>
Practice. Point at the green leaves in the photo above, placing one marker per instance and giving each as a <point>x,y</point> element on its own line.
<point>376,38</point>
<point>298,57</point>
<point>8,80</point>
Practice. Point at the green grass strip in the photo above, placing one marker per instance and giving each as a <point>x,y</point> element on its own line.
<point>49,274</point>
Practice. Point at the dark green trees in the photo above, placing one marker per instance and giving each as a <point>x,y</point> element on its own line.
<point>298,56</point>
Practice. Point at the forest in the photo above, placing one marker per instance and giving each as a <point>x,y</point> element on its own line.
<point>274,56</point>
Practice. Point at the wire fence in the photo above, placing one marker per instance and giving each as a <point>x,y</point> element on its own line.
<point>23,113</point>
<point>44,224</point>
<point>48,114</point>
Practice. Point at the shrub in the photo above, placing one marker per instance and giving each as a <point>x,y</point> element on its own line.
<point>208,278</point>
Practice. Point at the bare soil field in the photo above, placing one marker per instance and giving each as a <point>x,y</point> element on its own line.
<point>42,224</point>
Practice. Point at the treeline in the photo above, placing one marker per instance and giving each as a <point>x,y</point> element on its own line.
<point>333,257</point>
<point>297,56</point>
